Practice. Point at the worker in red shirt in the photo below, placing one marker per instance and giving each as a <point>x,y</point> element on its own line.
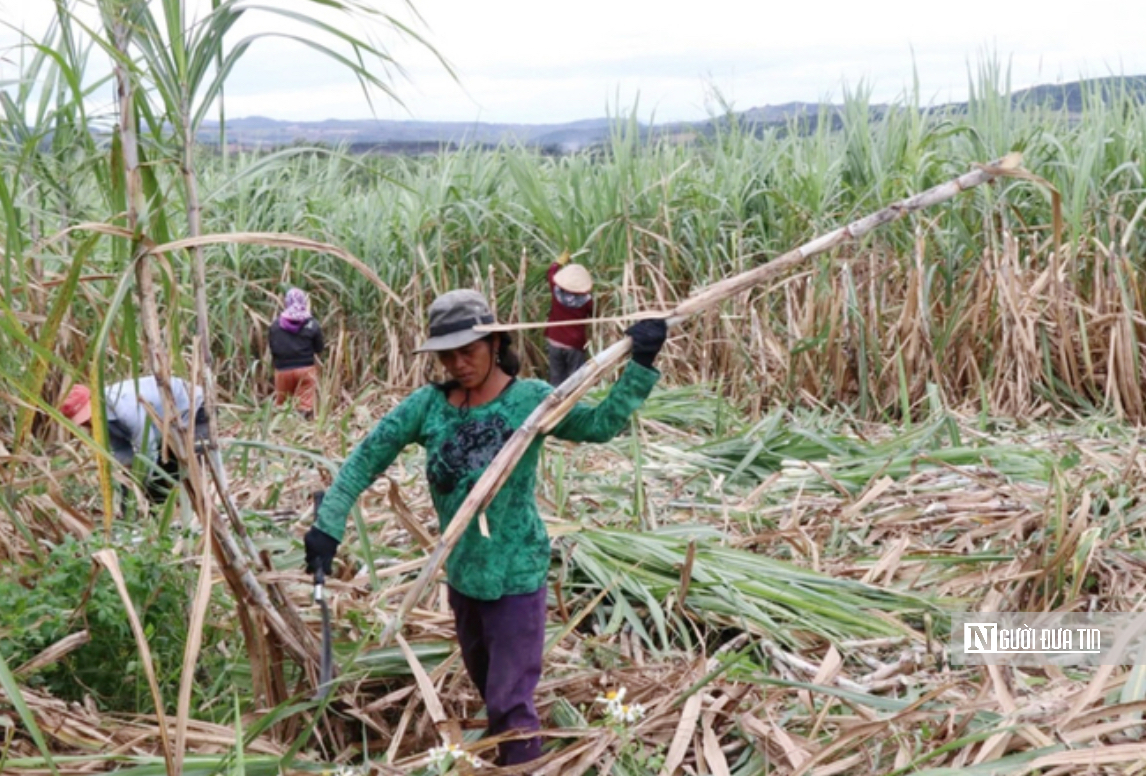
<point>571,289</point>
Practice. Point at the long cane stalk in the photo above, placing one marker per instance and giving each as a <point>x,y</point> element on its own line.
<point>121,20</point>
<point>558,404</point>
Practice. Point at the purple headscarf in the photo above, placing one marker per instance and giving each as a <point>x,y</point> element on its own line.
<point>297,311</point>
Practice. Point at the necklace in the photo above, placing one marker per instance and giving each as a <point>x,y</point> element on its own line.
<point>464,407</point>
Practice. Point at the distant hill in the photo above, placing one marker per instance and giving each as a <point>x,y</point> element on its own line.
<point>413,137</point>
<point>398,136</point>
<point>1071,96</point>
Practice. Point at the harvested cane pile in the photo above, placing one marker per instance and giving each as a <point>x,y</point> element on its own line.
<point>772,601</point>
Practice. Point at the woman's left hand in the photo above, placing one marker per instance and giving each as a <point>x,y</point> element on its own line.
<point>648,337</point>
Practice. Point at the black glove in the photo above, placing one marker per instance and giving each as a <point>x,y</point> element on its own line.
<point>648,336</point>
<point>321,548</point>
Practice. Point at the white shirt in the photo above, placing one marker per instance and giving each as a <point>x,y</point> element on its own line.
<point>124,405</point>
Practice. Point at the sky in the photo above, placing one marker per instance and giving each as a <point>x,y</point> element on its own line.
<point>540,61</point>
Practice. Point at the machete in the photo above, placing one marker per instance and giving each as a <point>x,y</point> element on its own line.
<point>326,671</point>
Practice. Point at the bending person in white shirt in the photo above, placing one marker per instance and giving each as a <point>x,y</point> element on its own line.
<point>131,431</point>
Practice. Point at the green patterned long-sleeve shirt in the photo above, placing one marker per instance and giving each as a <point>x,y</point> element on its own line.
<point>460,444</point>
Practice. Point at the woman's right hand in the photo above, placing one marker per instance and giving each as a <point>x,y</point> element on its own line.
<point>321,548</point>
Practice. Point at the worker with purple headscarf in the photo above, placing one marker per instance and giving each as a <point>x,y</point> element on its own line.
<point>295,340</point>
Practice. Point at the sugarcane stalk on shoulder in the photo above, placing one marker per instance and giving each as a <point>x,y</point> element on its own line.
<point>550,412</point>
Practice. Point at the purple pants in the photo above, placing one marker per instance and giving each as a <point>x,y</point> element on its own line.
<point>501,644</point>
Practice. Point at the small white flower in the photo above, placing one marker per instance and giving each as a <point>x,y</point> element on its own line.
<point>617,712</point>
<point>631,714</point>
<point>444,756</point>
<point>612,699</point>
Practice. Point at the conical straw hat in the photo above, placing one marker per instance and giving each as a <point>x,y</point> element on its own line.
<point>575,279</point>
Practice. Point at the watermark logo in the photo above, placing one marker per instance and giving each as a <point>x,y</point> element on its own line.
<point>981,638</point>
<point>1035,638</point>
<point>987,638</point>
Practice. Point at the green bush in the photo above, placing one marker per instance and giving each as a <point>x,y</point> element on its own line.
<point>70,593</point>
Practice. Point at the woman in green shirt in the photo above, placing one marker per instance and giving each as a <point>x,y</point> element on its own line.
<point>497,584</point>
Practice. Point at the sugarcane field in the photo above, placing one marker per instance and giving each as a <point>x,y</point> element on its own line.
<point>807,448</point>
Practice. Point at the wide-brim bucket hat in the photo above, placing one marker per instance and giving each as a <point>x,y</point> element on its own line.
<point>575,279</point>
<point>453,316</point>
